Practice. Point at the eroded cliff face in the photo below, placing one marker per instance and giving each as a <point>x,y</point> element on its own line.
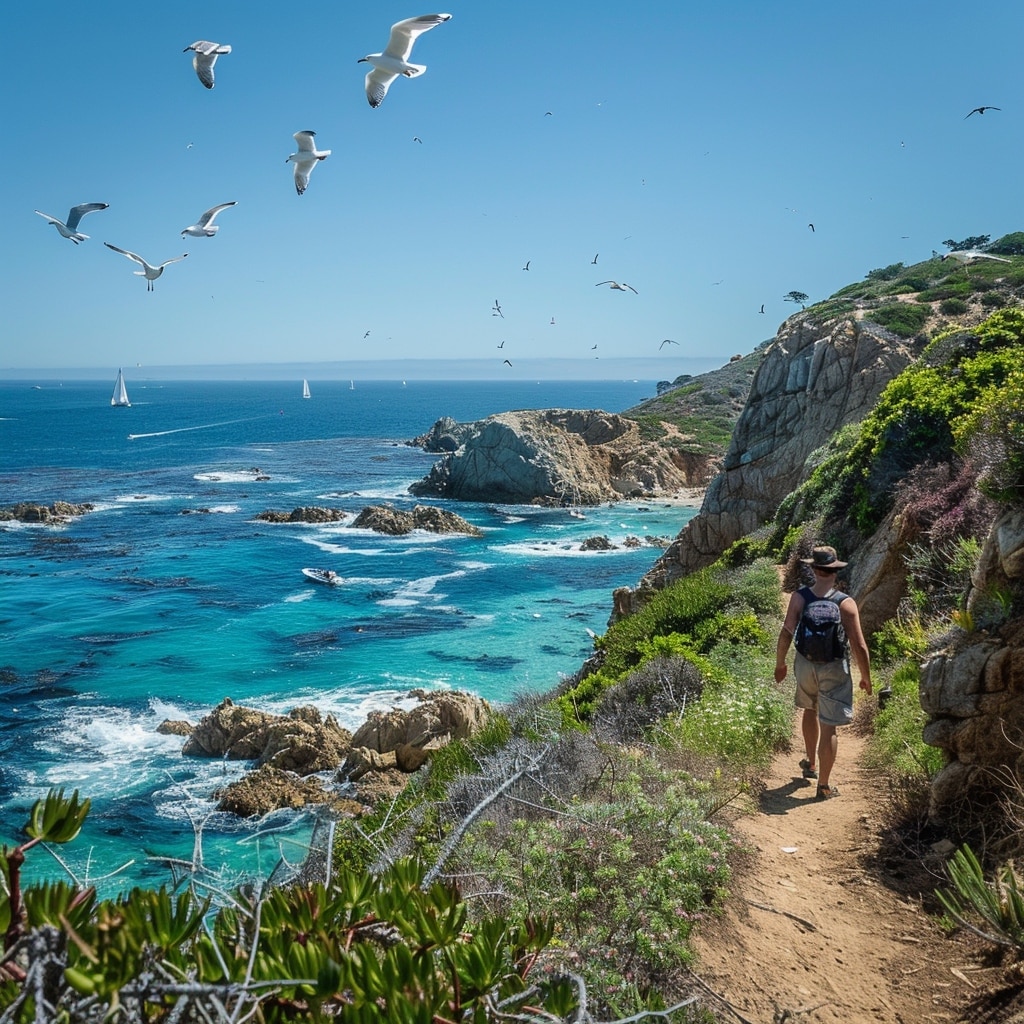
<point>973,691</point>
<point>815,378</point>
<point>563,456</point>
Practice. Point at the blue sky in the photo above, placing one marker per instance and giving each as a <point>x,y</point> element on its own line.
<point>690,145</point>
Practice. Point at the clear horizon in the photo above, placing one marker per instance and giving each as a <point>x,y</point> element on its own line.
<point>644,369</point>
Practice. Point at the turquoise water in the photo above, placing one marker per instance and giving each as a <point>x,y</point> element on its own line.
<point>169,596</point>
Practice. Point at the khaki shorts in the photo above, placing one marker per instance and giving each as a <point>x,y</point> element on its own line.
<point>825,687</point>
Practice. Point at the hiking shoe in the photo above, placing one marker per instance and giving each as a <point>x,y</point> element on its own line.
<point>808,769</point>
<point>826,792</point>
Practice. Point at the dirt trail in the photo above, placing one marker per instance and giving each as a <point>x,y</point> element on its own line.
<point>812,934</point>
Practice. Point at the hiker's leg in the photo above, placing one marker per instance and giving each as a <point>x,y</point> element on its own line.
<point>827,748</point>
<point>810,727</point>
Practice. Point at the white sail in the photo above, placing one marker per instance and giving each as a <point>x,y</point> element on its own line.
<point>120,395</point>
<point>305,388</point>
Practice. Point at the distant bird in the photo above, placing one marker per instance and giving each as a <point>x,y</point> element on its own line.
<point>394,61</point>
<point>594,260</point>
<point>306,159</point>
<point>366,335</point>
<point>761,310</point>
<point>667,341</point>
<point>966,256</point>
<point>69,228</point>
<point>497,310</point>
<point>148,271</point>
<point>592,347</point>
<point>547,113</point>
<point>980,110</point>
<point>204,227</point>
<point>552,321</point>
<point>811,226</point>
<point>527,267</point>
<point>507,363</point>
<point>620,287</point>
<point>206,54</point>
<point>416,138</point>
<point>502,345</point>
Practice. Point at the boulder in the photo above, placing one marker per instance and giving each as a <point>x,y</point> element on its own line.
<point>600,544</point>
<point>270,789</point>
<point>446,716</point>
<point>308,514</point>
<point>52,515</point>
<point>175,727</point>
<point>301,741</point>
<point>396,522</point>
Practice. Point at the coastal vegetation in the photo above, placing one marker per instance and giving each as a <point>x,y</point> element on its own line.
<point>557,864</point>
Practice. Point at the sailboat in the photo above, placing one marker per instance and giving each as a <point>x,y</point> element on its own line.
<point>120,395</point>
<point>305,388</point>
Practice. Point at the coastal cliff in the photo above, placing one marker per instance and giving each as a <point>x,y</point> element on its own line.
<point>555,456</point>
<point>816,377</point>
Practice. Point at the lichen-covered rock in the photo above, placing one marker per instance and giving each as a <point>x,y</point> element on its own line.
<point>557,456</point>
<point>396,522</point>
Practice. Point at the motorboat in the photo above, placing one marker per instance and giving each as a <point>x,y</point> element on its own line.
<point>328,576</point>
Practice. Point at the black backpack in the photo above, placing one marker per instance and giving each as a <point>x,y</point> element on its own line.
<point>819,634</point>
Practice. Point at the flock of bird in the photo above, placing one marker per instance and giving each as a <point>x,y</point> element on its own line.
<point>386,66</point>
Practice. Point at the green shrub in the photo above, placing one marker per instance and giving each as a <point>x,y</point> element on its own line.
<point>912,283</point>
<point>903,318</point>
<point>899,725</point>
<point>886,273</point>
<point>958,288</point>
<point>953,307</point>
<point>1009,245</point>
<point>898,639</point>
<point>993,300</point>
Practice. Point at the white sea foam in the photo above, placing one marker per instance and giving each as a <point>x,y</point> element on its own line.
<point>138,499</point>
<point>227,476</point>
<point>558,549</point>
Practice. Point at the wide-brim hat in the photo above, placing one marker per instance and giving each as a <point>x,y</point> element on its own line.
<point>824,557</point>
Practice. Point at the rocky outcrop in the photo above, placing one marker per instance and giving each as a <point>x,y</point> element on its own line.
<point>52,515</point>
<point>557,456</point>
<point>814,379</point>
<point>301,741</point>
<point>601,543</point>
<point>973,690</point>
<point>308,514</point>
<point>393,521</point>
<point>270,789</point>
<point>289,750</point>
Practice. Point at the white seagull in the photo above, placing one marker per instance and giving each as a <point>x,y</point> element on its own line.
<point>394,61</point>
<point>667,341</point>
<point>204,227</point>
<point>966,256</point>
<point>69,229</point>
<point>206,54</point>
<point>615,284</point>
<point>148,271</point>
<point>306,159</point>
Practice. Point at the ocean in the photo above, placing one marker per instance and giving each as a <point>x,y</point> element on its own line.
<point>170,596</point>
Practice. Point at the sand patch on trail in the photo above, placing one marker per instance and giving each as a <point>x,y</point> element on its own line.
<point>812,934</point>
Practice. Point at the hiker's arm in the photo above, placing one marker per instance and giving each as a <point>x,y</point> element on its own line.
<point>858,645</point>
<point>796,606</point>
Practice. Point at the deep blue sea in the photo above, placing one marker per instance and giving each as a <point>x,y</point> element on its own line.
<point>141,611</point>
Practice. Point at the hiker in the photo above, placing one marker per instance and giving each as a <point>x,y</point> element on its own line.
<point>825,625</point>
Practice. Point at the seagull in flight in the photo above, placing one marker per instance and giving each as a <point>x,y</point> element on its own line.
<point>811,226</point>
<point>394,61</point>
<point>761,310</point>
<point>981,110</point>
<point>69,228</point>
<point>206,54</point>
<point>306,158</point>
<point>594,260</point>
<point>667,341</point>
<point>204,227</point>
<point>148,271</point>
<point>527,267</point>
<point>507,363</point>
<point>966,256</point>
<point>366,335</point>
<point>502,345</point>
<point>620,287</point>
<point>497,310</point>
